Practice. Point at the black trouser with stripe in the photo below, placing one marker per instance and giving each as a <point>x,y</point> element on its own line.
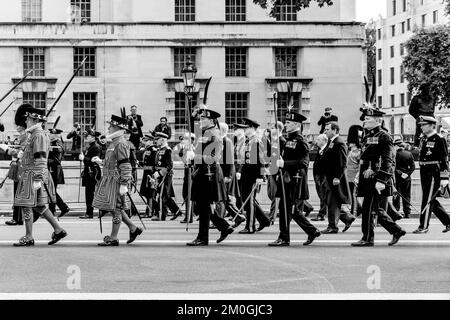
<point>252,208</point>
<point>376,205</point>
<point>204,210</point>
<point>297,216</point>
<point>426,176</point>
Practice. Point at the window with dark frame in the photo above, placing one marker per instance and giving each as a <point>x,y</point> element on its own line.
<point>286,62</point>
<point>180,111</point>
<point>37,99</point>
<point>402,74</point>
<point>380,54</point>
<point>408,24</point>
<point>402,49</point>
<point>402,99</point>
<point>82,10</point>
<point>435,16</point>
<point>180,57</point>
<point>235,62</point>
<point>392,75</point>
<point>379,34</point>
<point>404,6</point>
<point>285,12</point>
<point>34,59</point>
<point>393,30</point>
<point>403,27</point>
<point>88,69</point>
<point>394,7</point>
<point>235,10</point>
<point>31,10</point>
<point>84,108</point>
<point>392,101</point>
<point>184,10</point>
<point>392,51</point>
<point>236,106</point>
<point>424,20</point>
<point>380,102</point>
<point>380,78</point>
<point>282,104</point>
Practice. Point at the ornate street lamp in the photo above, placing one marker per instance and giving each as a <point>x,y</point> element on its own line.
<point>189,72</point>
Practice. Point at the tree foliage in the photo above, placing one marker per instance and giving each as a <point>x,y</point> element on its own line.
<point>428,62</point>
<point>299,4</point>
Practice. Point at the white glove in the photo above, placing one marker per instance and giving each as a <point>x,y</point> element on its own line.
<point>404,176</point>
<point>123,190</point>
<point>368,173</point>
<point>280,163</point>
<point>97,160</point>
<point>380,187</point>
<point>81,157</point>
<point>37,185</point>
<point>259,181</point>
<point>336,181</point>
<point>190,155</point>
<point>20,155</point>
<point>156,175</point>
<point>4,147</point>
<point>238,175</point>
<point>444,183</point>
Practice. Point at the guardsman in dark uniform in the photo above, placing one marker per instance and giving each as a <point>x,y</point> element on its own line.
<point>147,188</point>
<point>294,162</point>
<point>404,168</point>
<point>54,166</point>
<point>35,188</point>
<point>337,190</point>
<point>163,175</point>
<point>112,191</point>
<point>92,173</point>
<point>376,178</point>
<point>434,173</point>
<point>252,172</point>
<point>208,185</point>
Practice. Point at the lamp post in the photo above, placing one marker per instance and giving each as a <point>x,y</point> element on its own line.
<point>189,72</point>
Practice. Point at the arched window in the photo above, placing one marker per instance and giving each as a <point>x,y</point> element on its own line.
<point>392,125</point>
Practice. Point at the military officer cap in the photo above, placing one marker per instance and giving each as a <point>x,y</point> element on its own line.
<point>118,122</point>
<point>426,120</point>
<point>240,126</point>
<point>295,117</point>
<point>328,109</point>
<point>207,113</point>
<point>371,112</point>
<point>38,114</point>
<point>398,141</point>
<point>250,123</point>
<point>161,135</point>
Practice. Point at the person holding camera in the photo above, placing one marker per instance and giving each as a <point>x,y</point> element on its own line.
<point>326,118</point>
<point>75,135</point>
<point>163,127</point>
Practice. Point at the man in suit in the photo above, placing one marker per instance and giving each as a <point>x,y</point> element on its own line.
<point>326,118</point>
<point>135,124</point>
<point>404,168</point>
<point>319,177</point>
<point>336,185</point>
<point>75,136</point>
<point>163,127</point>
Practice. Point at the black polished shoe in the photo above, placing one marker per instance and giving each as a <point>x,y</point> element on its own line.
<point>308,212</point>
<point>108,242</point>
<point>134,235</point>
<point>63,213</point>
<point>24,242</point>
<point>239,219</point>
<point>262,227</point>
<point>318,218</point>
<point>85,217</point>
<point>396,237</point>
<point>420,231</point>
<point>246,231</point>
<point>176,216</point>
<point>57,236</point>
<point>329,231</point>
<point>197,243</point>
<point>225,234</point>
<point>311,238</point>
<point>362,243</point>
<point>447,229</point>
<point>279,243</point>
<point>11,223</point>
<point>348,225</point>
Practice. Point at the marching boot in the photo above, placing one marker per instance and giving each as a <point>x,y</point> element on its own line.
<point>134,235</point>
<point>12,223</point>
<point>447,229</point>
<point>239,219</point>
<point>108,242</point>
<point>362,243</point>
<point>225,234</point>
<point>279,243</point>
<point>397,237</point>
<point>311,238</point>
<point>420,231</point>
<point>348,225</point>
<point>57,236</point>
<point>197,243</point>
<point>329,231</point>
<point>24,242</point>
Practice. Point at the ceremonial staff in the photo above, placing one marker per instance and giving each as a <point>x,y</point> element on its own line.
<point>12,89</point>
<point>189,71</point>
<point>280,172</point>
<point>6,109</point>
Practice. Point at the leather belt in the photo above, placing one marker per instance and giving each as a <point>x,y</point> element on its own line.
<point>424,163</point>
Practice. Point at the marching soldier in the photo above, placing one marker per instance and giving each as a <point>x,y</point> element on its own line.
<point>111,193</point>
<point>434,174</point>
<point>148,184</point>
<point>208,185</point>
<point>252,172</point>
<point>54,166</point>
<point>404,168</point>
<point>375,178</point>
<point>163,175</point>
<point>35,187</point>
<point>92,173</point>
<point>294,162</point>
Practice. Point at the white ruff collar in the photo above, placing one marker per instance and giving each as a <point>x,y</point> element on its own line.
<point>115,135</point>
<point>33,127</point>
